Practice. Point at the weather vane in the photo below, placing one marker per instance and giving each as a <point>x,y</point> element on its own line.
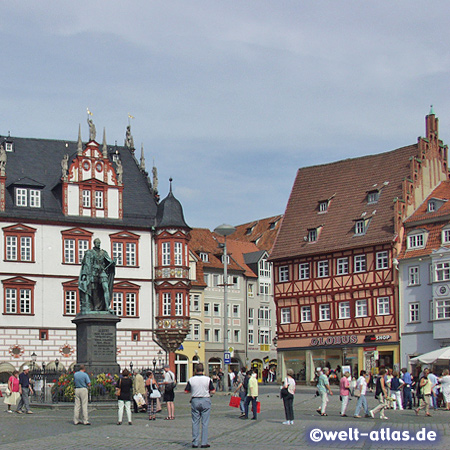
<point>129,118</point>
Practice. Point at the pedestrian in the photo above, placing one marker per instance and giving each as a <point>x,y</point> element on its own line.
<point>381,395</point>
<point>252,395</point>
<point>124,399</point>
<point>169,392</point>
<point>138,388</point>
<point>387,382</point>
<point>220,375</point>
<point>241,389</point>
<point>13,397</point>
<point>362,384</point>
<point>82,383</point>
<point>152,395</point>
<point>344,391</point>
<point>323,386</point>
<point>445,383</point>
<point>407,386</point>
<point>25,390</point>
<point>425,391</point>
<point>287,393</point>
<point>231,376</point>
<point>434,388</point>
<point>396,386</point>
<point>201,387</point>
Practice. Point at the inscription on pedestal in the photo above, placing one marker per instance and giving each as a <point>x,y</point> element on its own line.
<point>103,347</point>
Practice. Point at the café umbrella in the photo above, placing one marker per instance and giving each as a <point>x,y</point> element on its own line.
<point>441,354</point>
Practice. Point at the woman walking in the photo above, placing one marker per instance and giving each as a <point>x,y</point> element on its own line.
<point>445,383</point>
<point>425,390</point>
<point>13,386</point>
<point>381,395</point>
<point>288,397</point>
<point>152,394</point>
<point>124,400</point>
<point>361,384</point>
<point>344,391</point>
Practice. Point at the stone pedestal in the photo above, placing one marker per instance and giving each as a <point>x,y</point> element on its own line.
<point>96,342</point>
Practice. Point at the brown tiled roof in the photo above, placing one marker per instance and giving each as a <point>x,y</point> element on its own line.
<point>237,250</point>
<point>260,232</point>
<point>432,222</point>
<point>346,183</point>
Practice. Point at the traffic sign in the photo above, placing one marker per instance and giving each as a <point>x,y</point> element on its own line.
<point>227,358</point>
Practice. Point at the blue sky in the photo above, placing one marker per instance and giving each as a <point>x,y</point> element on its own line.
<point>229,97</point>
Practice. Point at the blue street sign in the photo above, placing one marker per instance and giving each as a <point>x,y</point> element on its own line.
<point>227,358</point>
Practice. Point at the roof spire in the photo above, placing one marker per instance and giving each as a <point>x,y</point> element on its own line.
<point>431,110</point>
<point>79,143</point>
<point>142,161</point>
<point>105,147</point>
<point>170,188</point>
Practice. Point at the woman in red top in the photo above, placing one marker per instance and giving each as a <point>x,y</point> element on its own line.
<point>344,388</point>
<point>13,386</point>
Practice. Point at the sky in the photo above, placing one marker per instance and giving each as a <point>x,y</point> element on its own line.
<point>231,97</point>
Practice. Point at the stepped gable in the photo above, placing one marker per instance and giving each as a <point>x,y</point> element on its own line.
<point>345,185</point>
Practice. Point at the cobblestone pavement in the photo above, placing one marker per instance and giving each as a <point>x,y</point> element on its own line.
<point>53,428</point>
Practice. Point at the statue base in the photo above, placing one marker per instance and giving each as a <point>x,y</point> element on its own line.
<point>96,342</point>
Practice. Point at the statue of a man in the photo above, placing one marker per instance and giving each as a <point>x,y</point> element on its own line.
<point>65,166</point>
<point>92,130</point>
<point>96,280</point>
<point>3,159</point>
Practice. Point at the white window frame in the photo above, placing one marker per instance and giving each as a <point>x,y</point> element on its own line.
<point>217,335</point>
<point>323,206</point>
<point>442,309</point>
<point>118,252</point>
<point>236,310</point>
<point>35,198</point>
<point>118,303</point>
<point>165,250</point>
<point>251,316</point>
<point>372,197</point>
<point>207,335</point>
<point>283,274</point>
<point>360,263</point>
<point>361,308</point>
<point>360,227</point>
<point>204,257</point>
<point>285,315</point>
<point>323,269</point>
<point>216,309</point>
<point>413,276</point>
<point>382,260</point>
<point>442,271</point>
<point>70,303</point>
<point>179,299</point>
<point>264,319</point>
<point>324,312</point>
<point>446,236</point>
<point>342,266</point>
<point>305,314</point>
<point>251,337</point>
<point>99,199</point>
<point>194,302</point>
<point>178,253</point>
<point>130,304</point>
<point>312,235</point>
<point>207,309</point>
<point>304,271</point>
<point>167,301</point>
<point>344,310</point>
<point>383,306</point>
<point>414,312</point>
<point>86,198</point>
<point>130,253</point>
<point>21,197</point>
<point>237,336</point>
<point>416,240</point>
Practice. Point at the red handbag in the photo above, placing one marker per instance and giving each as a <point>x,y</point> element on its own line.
<point>235,402</point>
<point>258,407</point>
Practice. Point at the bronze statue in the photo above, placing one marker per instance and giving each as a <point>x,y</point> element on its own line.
<point>96,280</point>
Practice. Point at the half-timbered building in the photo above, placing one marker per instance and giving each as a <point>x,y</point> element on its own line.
<point>335,257</point>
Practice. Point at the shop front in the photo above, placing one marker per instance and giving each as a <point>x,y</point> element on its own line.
<point>338,353</point>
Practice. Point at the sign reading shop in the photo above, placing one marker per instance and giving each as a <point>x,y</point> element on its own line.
<point>334,340</point>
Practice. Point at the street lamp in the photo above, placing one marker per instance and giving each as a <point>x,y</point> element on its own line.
<point>56,364</point>
<point>33,360</point>
<point>154,365</point>
<point>224,231</point>
<point>131,367</point>
<point>160,358</point>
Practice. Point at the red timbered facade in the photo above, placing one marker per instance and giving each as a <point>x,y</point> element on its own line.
<point>335,266</point>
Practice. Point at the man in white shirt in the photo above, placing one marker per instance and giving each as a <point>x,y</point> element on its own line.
<point>201,387</point>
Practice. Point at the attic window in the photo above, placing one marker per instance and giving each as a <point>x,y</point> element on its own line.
<point>323,206</point>
<point>249,231</point>
<point>204,256</point>
<point>416,240</point>
<point>28,197</point>
<point>273,225</point>
<point>431,206</point>
<point>312,235</point>
<point>9,146</point>
<point>373,196</point>
<point>360,227</point>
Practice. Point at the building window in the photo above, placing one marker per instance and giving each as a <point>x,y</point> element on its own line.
<point>70,303</point>
<point>383,308</point>
<point>264,337</point>
<point>251,316</point>
<point>312,235</point>
<point>216,280</point>
<point>207,335</point>
<point>250,289</point>
<point>251,337</point>
<point>75,244</point>
<point>204,257</point>
<point>35,198</point>
<point>372,197</point>
<point>416,241</point>
<point>216,335</point>
<point>382,260</point>
<point>414,312</point>
<point>195,302</point>
<point>135,336</point>
<point>285,315</point>
<point>446,236</point>
<point>361,308</point>
<point>442,271</point>
<point>19,243</point>
<point>360,227</point>
<point>303,271</point>
<point>8,146</point>
<point>360,263</point>
<point>237,336</point>
<point>323,206</point>
<point>99,199</point>
<point>21,197</point>
<point>28,197</point>
<point>19,296</point>
<point>165,253</point>
<point>167,299</point>
<point>43,335</point>
<point>216,309</point>
<point>324,312</point>
<point>179,304</point>
<point>234,282</point>
<point>236,311</point>
<point>125,303</point>
<point>264,288</point>
<point>86,198</point>
<point>431,206</point>
<point>283,274</point>
<point>178,253</point>
<point>413,276</point>
<point>342,266</point>
<point>265,268</point>
<point>196,332</point>
<point>344,310</point>
<point>264,317</point>
<point>125,248</point>
<point>322,269</point>
<point>306,314</point>
<point>442,309</point>
<point>223,259</point>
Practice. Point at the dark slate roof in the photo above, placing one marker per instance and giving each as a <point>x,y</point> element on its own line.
<point>170,213</point>
<point>254,257</point>
<point>37,162</point>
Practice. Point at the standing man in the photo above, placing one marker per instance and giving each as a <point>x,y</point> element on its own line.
<point>169,394</point>
<point>25,390</point>
<point>252,395</point>
<point>82,383</point>
<point>323,386</point>
<point>138,388</point>
<point>201,387</point>
<point>407,396</point>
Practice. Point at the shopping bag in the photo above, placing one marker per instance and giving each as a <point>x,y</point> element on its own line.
<point>235,402</point>
<point>258,407</point>
<point>139,399</point>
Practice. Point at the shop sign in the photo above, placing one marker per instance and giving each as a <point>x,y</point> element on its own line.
<point>369,349</point>
<point>335,340</point>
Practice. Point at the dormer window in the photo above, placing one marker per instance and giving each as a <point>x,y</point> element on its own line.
<point>9,146</point>
<point>223,259</point>
<point>323,206</point>
<point>28,197</point>
<point>416,240</point>
<point>431,206</point>
<point>312,235</point>
<point>204,257</point>
<point>446,236</point>
<point>360,227</point>
<point>373,196</point>
<point>249,231</point>
<point>434,204</point>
